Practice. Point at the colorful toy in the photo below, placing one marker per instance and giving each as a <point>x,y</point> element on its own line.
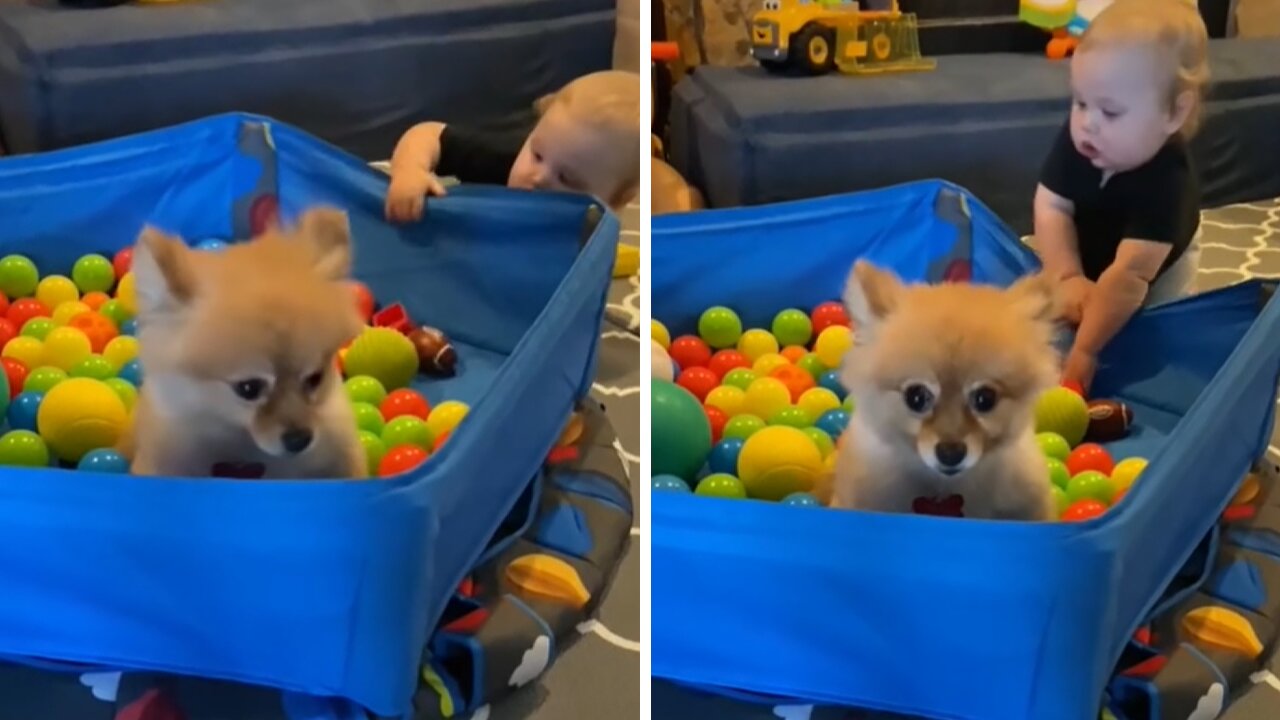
<point>720,327</point>
<point>796,380</point>
<point>767,363</point>
<point>1054,445</point>
<point>22,412</point>
<point>1108,420</point>
<point>689,351</point>
<point>65,312</point>
<point>79,415</point>
<point>94,366</point>
<point>721,485</point>
<point>818,37</point>
<point>778,461</point>
<point>400,459</point>
<point>1061,411</point>
<point>716,420</point>
<point>122,262</point>
<point>740,378</point>
<point>15,374</point>
<point>18,276</point>
<point>383,354</point>
<point>732,400</point>
<point>127,296</point>
<point>93,273</point>
<point>125,390</point>
<point>766,396</point>
<point>436,355</point>
<point>545,577</point>
<point>22,310</point>
<point>658,333</point>
<point>65,347</point>
<point>26,350</point>
<point>828,314</point>
<point>1090,456</point>
<point>792,327</point>
<point>43,379</point>
<point>120,350</point>
<point>407,430</point>
<point>1090,485</point>
<point>742,426</point>
<point>669,483</point>
<point>374,449</point>
<point>23,448</point>
<point>38,327</point>
<point>446,416</point>
<point>54,290</point>
<point>832,344</point>
<point>366,389</point>
<point>699,381</point>
<point>132,372</point>
<point>404,402</point>
<point>724,361</point>
<point>662,367</point>
<point>756,342</point>
<point>103,460</point>
<point>681,433</point>
<point>368,418</point>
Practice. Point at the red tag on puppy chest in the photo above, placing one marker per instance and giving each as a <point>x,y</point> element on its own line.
<point>950,506</point>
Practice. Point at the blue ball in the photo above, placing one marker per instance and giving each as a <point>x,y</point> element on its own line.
<point>831,381</point>
<point>833,422</point>
<point>801,499</point>
<point>132,371</point>
<point>129,327</point>
<point>669,483</point>
<point>724,456</point>
<point>103,460</point>
<point>23,410</point>
<point>211,245</point>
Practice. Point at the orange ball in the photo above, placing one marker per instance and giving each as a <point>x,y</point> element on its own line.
<point>725,360</point>
<point>796,378</point>
<point>23,310</point>
<point>94,299</point>
<point>97,327</point>
<point>401,459</point>
<point>404,402</point>
<point>793,353</point>
<point>1090,456</point>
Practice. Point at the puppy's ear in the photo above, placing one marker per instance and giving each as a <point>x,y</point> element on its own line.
<point>1036,297</point>
<point>163,272</point>
<point>327,232</point>
<point>870,294</point>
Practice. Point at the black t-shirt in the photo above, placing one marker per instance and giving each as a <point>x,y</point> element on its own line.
<point>478,156</point>
<point>1159,201</point>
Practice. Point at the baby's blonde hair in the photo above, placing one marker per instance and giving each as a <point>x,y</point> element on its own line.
<point>1175,29</point>
<point>610,101</point>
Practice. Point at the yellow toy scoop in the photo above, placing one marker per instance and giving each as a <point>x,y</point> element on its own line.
<point>1214,627</point>
<point>546,577</point>
<point>627,262</point>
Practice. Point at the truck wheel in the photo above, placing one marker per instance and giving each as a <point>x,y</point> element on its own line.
<point>814,49</point>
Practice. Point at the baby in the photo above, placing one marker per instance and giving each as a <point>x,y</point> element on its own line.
<point>1117,209</point>
<point>587,140</point>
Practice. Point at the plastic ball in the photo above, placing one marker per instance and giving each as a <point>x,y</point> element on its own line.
<point>23,448</point>
<point>742,426</point>
<point>833,422</point>
<point>1126,472</point>
<point>721,485</point>
<point>446,416</point>
<point>400,460</point>
<point>129,327</point>
<point>728,398</point>
<point>407,430</point>
<point>211,245</point>
<point>8,331</point>
<point>830,380</point>
<point>1082,510</point>
<point>832,344</point>
<point>64,313</point>
<point>55,290</point>
<point>18,276</point>
<point>767,363</point>
<point>756,342</point>
<point>384,354</point>
<point>38,327</point>
<point>798,381</point>
<point>43,379</point>
<point>362,388</point>
<point>828,314</point>
<point>698,380</point>
<point>680,431</point>
<point>127,294</point>
<point>812,365</point>
<point>1090,456</point>
<point>1058,473</point>
<point>132,373</point>
<point>94,300</point>
<point>689,351</point>
<point>724,456</point>
<point>659,334</point>
<point>439,442</point>
<point>120,351</point>
<point>368,418</point>
<point>660,364</point>
<point>826,445</point>
<point>94,366</point>
<point>792,327</point>
<point>5,394</point>
<point>65,347</point>
<point>79,415</point>
<point>93,273</point>
<point>740,378</point>
<point>26,350</point>
<point>720,327</point>
<point>404,402</point>
<point>793,353</point>
<point>115,312</point>
<point>1053,445</point>
<point>15,374</point>
<point>848,405</point>
<point>767,396</point>
<point>22,411</point>
<point>374,449</point>
<point>122,262</point>
<point>791,417</point>
<point>104,460</point>
<point>363,297</point>
<point>20,311</point>
<point>1060,500</point>
<point>1061,411</point>
<point>123,389</point>
<point>778,461</point>
<point>1090,485</point>
<point>4,305</point>
<point>97,327</point>
<point>716,420</point>
<point>801,499</point>
<point>725,361</point>
<point>1075,387</point>
<point>668,483</point>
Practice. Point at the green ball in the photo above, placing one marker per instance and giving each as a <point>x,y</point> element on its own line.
<point>23,448</point>
<point>848,403</point>
<point>362,388</point>
<point>721,485</point>
<point>812,365</point>
<point>385,354</point>
<point>679,429</point>
<point>38,327</point>
<point>127,393</point>
<point>368,417</point>
<point>43,378</point>
<point>1058,473</point>
<point>825,444</point>
<point>742,426</point>
<point>374,449</point>
<point>407,430</point>
<point>93,273</point>
<point>94,366</point>
<point>18,276</point>
<point>739,378</point>
<point>115,312</point>
<point>1091,485</point>
<point>792,327</point>
<point>1061,411</point>
<point>1061,501</point>
<point>1053,445</point>
<point>720,327</point>
<point>4,394</point>
<point>791,417</point>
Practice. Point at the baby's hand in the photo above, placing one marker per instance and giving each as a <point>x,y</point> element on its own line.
<point>408,193</point>
<point>1075,293</point>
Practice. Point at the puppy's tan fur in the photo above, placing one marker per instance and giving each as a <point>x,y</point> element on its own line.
<point>274,308</point>
<point>952,339</point>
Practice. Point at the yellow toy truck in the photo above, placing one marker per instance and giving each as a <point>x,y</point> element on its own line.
<point>818,36</point>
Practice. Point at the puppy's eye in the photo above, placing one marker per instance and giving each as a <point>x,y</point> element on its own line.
<point>983,399</point>
<point>918,398</point>
<point>311,383</point>
<point>251,389</point>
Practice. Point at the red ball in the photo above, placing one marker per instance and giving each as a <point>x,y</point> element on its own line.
<point>364,299</point>
<point>17,374</point>
<point>23,310</point>
<point>1090,456</point>
<point>8,331</point>
<point>404,402</point>
<point>699,381</point>
<point>1082,510</point>
<point>716,418</point>
<point>725,360</point>
<point>689,351</point>
<point>4,304</point>
<point>826,315</point>
<point>1075,387</point>
<point>438,442</point>
<point>122,262</point>
<point>401,459</point>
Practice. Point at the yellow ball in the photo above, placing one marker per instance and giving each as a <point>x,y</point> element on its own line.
<point>658,332</point>
<point>120,351</point>
<point>766,396</point>
<point>1126,472</point>
<point>63,313</point>
<point>384,354</point>
<point>756,342</point>
<point>26,350</point>
<point>817,401</point>
<point>445,417</point>
<point>777,461</point>
<point>127,294</point>
<point>65,347</point>
<point>768,362</point>
<point>57,289</point>
<point>79,415</point>
<point>832,344</point>
<point>1060,410</point>
<point>728,398</point>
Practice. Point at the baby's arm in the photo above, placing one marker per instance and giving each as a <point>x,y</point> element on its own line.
<point>1056,242</point>
<point>413,172</point>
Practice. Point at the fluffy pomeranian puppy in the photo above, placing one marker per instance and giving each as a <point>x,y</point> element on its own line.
<point>945,379</point>
<point>238,349</point>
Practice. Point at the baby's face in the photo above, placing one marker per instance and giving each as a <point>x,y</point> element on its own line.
<point>563,153</point>
<point>1120,113</point>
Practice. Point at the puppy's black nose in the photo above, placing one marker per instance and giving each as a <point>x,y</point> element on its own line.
<point>950,454</point>
<point>296,440</point>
